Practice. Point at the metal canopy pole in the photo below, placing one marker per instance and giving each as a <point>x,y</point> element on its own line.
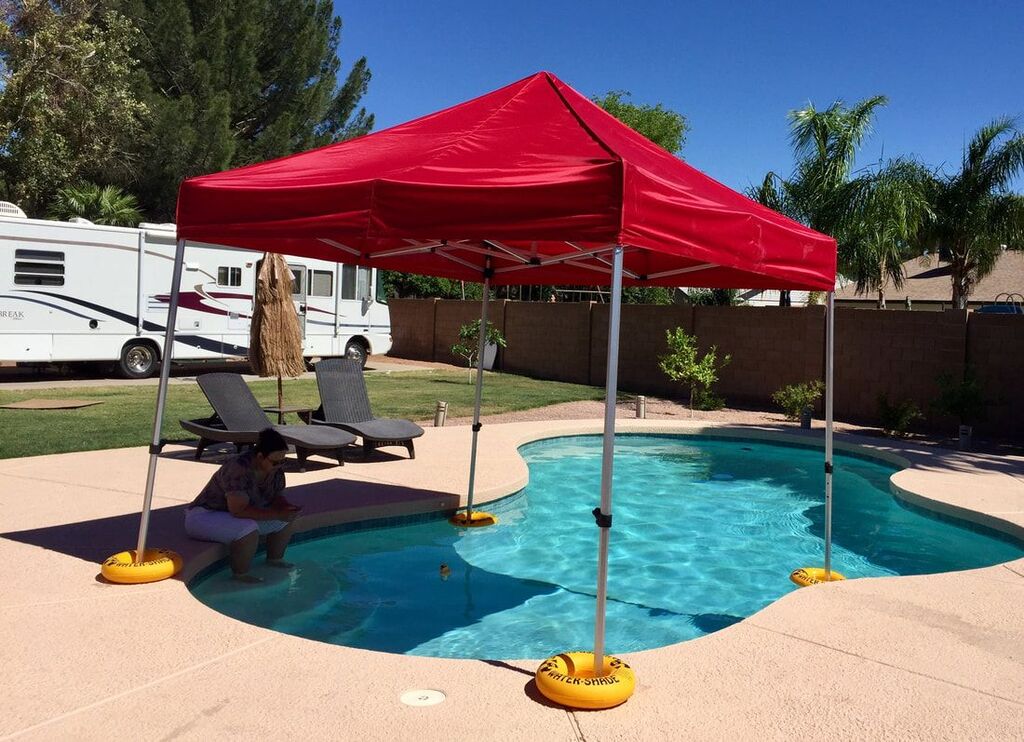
<point>479,387</point>
<point>603,515</point>
<point>829,362</point>
<point>161,400</point>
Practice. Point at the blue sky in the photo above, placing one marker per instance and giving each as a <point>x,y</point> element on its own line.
<point>733,68</point>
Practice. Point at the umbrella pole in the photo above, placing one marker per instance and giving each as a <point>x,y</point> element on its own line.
<point>479,389</point>
<point>829,364</point>
<point>161,400</point>
<point>604,514</point>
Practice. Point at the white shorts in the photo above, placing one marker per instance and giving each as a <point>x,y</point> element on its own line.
<point>222,527</point>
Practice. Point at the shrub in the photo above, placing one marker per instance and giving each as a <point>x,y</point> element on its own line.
<point>897,417</point>
<point>797,397</point>
<point>705,399</point>
<point>964,399</point>
<point>682,364</point>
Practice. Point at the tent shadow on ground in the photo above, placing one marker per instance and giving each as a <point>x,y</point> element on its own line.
<point>95,540</point>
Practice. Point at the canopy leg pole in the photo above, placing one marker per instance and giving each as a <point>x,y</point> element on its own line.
<point>604,516</point>
<point>161,400</point>
<point>829,364</point>
<point>479,388</point>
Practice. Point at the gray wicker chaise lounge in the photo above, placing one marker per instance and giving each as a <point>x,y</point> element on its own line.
<point>345,404</point>
<point>238,419</point>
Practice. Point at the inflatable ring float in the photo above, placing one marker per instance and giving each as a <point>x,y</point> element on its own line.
<point>569,679</point>
<point>158,564</point>
<point>476,520</point>
<point>813,575</point>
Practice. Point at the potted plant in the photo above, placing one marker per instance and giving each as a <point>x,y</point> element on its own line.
<point>963,400</point>
<point>468,344</point>
<point>797,400</point>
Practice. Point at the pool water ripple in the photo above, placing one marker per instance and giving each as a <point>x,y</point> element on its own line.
<point>706,532</point>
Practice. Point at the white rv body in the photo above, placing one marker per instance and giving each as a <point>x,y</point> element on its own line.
<point>76,291</point>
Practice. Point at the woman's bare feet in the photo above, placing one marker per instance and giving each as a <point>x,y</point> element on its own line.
<point>248,578</point>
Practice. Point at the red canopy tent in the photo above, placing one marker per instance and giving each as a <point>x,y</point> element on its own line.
<point>531,183</point>
<point>535,177</point>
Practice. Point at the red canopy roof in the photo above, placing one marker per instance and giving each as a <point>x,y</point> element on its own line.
<point>534,178</point>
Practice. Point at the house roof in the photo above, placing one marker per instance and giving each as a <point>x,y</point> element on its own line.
<point>930,282</point>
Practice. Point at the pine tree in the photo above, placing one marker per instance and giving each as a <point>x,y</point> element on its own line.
<point>233,82</point>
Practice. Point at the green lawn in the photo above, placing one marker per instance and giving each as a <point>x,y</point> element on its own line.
<point>126,416</point>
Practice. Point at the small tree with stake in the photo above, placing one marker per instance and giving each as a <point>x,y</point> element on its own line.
<point>682,364</point>
<point>469,342</point>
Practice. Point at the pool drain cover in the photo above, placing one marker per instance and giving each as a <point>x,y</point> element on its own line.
<point>422,697</point>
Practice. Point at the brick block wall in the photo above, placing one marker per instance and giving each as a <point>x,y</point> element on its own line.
<point>995,352</point>
<point>641,342</point>
<point>770,348</point>
<point>898,353</point>
<point>548,341</point>
<point>412,328</point>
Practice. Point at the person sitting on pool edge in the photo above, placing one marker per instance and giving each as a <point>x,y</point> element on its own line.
<point>243,501</point>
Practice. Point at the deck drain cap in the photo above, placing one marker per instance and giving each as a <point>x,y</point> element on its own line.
<point>422,697</point>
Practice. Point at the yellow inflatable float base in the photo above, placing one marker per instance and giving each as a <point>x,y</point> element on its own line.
<point>813,576</point>
<point>158,564</point>
<point>569,679</point>
<point>477,520</point>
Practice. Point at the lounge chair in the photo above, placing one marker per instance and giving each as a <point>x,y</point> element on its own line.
<point>239,419</point>
<point>345,404</point>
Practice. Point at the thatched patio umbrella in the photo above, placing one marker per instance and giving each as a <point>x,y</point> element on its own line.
<point>275,340</point>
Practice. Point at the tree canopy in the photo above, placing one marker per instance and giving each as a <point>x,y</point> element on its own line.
<point>144,93</point>
<point>664,127</point>
<point>67,105</point>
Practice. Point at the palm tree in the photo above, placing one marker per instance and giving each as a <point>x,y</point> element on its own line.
<point>99,204</point>
<point>825,144</point>
<point>877,217</point>
<point>873,215</point>
<point>975,211</point>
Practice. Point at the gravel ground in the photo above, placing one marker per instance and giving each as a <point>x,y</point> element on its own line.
<point>668,409</point>
<point>656,408</point>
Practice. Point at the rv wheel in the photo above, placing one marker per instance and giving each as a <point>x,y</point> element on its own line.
<point>356,351</point>
<point>138,361</point>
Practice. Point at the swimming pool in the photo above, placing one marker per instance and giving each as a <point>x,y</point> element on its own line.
<point>706,533</point>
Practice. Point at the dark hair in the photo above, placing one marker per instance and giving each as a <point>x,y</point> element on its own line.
<point>269,441</point>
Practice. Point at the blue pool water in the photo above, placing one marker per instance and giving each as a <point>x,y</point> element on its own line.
<point>705,533</point>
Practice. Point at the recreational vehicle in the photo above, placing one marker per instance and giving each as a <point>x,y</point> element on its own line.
<point>77,291</point>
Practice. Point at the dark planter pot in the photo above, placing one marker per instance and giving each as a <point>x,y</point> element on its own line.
<point>805,418</point>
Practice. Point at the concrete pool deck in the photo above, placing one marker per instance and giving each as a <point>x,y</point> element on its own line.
<point>928,657</point>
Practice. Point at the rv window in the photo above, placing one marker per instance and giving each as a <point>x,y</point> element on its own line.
<point>363,284</point>
<point>38,268</point>
<point>382,294</point>
<point>322,284</point>
<point>229,276</point>
<point>348,282</point>
<point>297,289</point>
<point>38,255</point>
